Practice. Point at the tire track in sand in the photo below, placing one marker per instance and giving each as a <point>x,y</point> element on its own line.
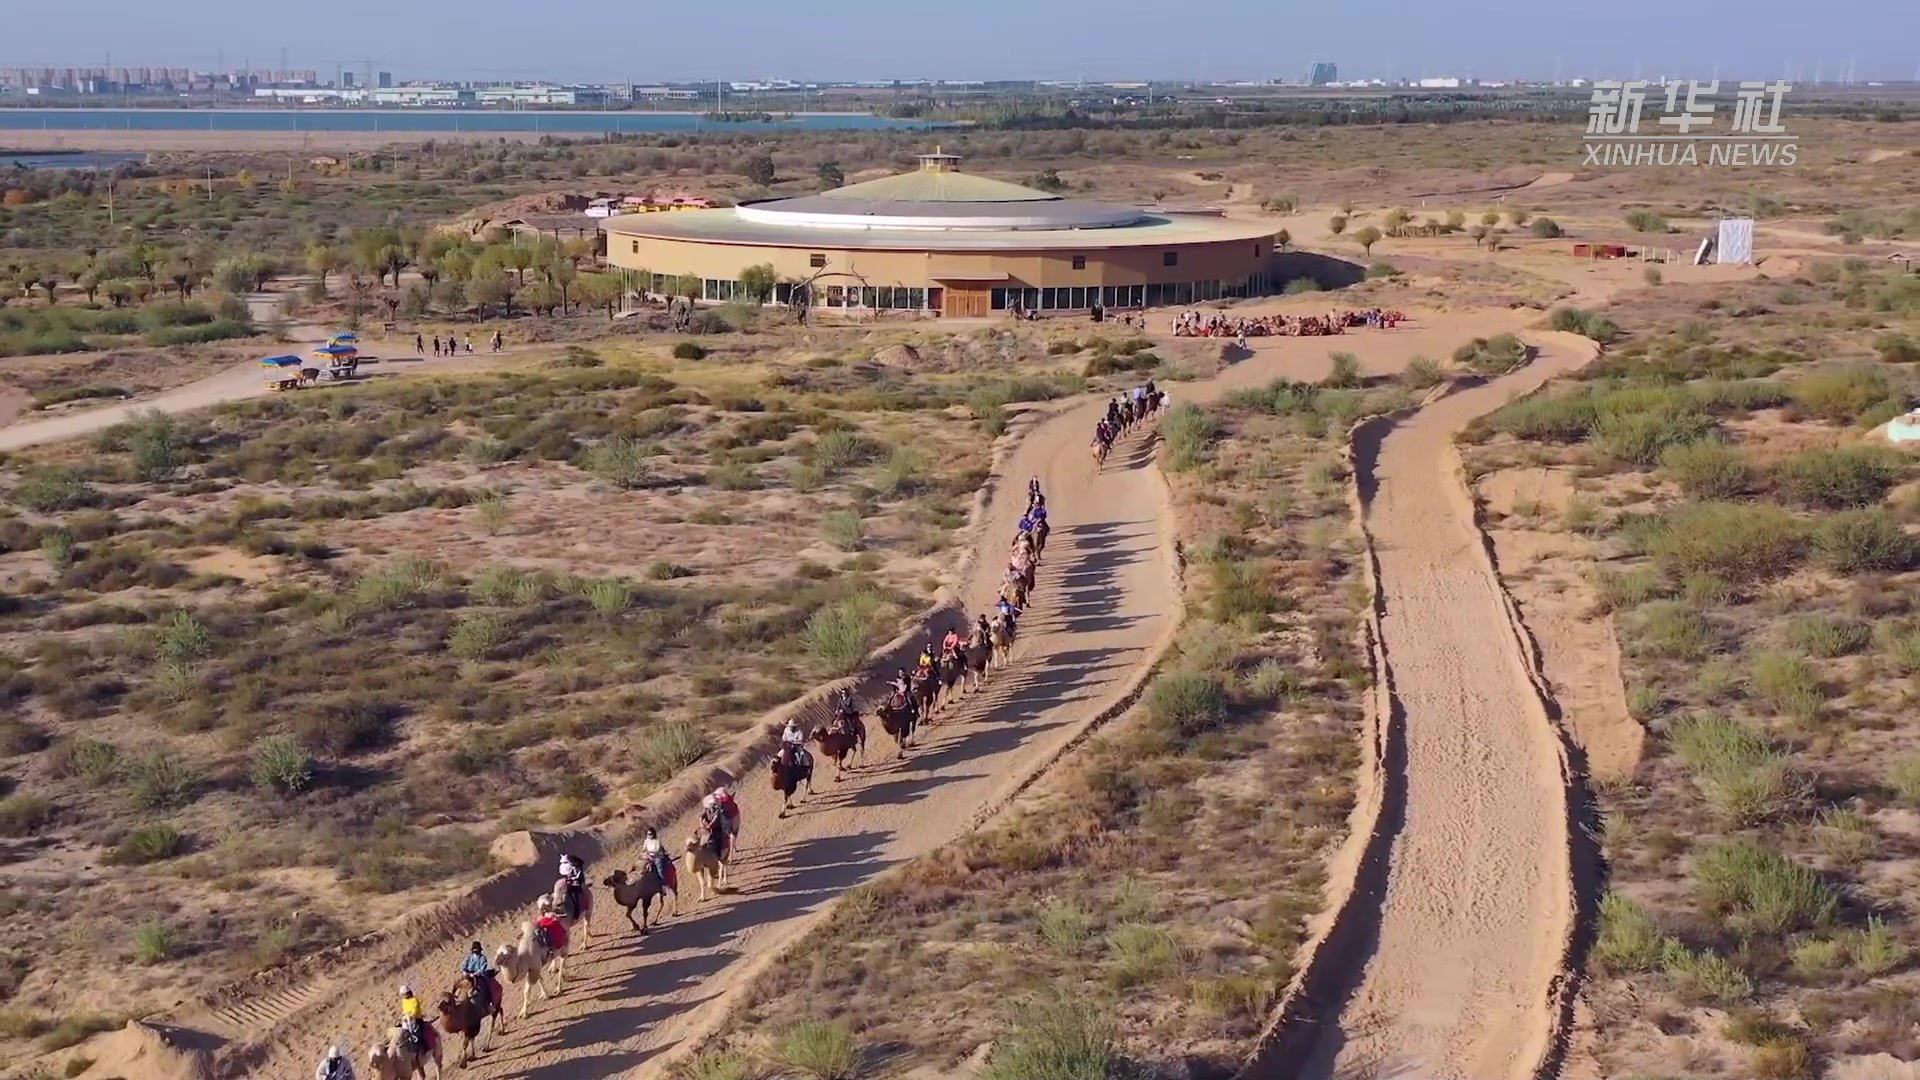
<point>1457,941</point>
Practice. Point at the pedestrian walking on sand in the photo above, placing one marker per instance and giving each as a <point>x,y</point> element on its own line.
<point>419,344</point>
<point>436,344</point>
<point>469,343</point>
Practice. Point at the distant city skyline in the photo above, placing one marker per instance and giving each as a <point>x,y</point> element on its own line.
<point>1229,40</point>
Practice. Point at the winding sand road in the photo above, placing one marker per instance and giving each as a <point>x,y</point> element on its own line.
<point>1106,603</point>
<point>1470,931</point>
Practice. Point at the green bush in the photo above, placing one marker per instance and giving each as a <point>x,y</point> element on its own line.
<point>1840,395</point>
<point>1838,479</point>
<point>1642,438</point>
<point>619,461</point>
<point>1874,949</point>
<point>1491,356</point>
<point>182,638</point>
<point>1546,228</point>
<point>1646,221</point>
<point>153,942</point>
<point>148,844</point>
<point>689,350</point>
<point>608,597</point>
<point>51,490</point>
<point>662,750</point>
<point>398,584</point>
<point>1059,1040</point>
<point>1423,373</point>
<point>1299,285</point>
<point>1706,974</point>
<point>1187,703</point>
<point>1708,470</point>
<point>1896,348</point>
<point>1065,927</point>
<point>1761,891</point>
<point>904,473</point>
<point>843,529</point>
<point>22,814</point>
<point>348,724</point>
<point>819,1050</point>
<point>1742,775</point>
<point>1189,433</point>
<point>1861,541</point>
<point>1138,953</point>
<point>1817,635</point>
<point>1788,685</point>
<point>839,635</point>
<point>1629,941</point>
<point>839,449</point>
<point>1741,542</point>
<point>280,764</point>
<point>160,780</point>
<point>1585,323</point>
<point>1673,630</point>
<point>478,633</point>
<point>158,446</point>
<point>1345,372</point>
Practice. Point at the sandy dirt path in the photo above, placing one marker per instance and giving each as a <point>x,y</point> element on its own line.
<point>1106,604</point>
<point>1473,922</point>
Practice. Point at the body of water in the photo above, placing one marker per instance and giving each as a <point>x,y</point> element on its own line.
<point>560,123</point>
<point>89,160</point>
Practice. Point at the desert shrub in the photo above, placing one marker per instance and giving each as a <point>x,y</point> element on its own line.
<point>839,635</point>
<point>1186,703</point>
<point>1296,286</point>
<point>1585,323</point>
<point>1646,221</point>
<point>1841,394</point>
<point>91,760</point>
<point>1210,647</point>
<point>496,585</point>
<point>1241,589</point>
<point>1815,957</point>
<point>153,942</point>
<point>182,638</point>
<point>689,350</point>
<point>1491,356</point>
<point>904,472</point>
<point>663,750</point>
<point>1138,953</point>
<point>1741,542</point>
<point>1546,228</point>
<point>1743,776</point>
<point>1629,941</point>
<point>398,584</point>
<point>159,780</point>
<point>820,1050</point>
<point>1783,1058</point>
<point>619,461</point>
<point>50,490</point>
<point>1837,479</point>
<point>491,512</point>
<point>149,844</point>
<point>57,546</point>
<point>1873,948</point>
<point>477,633</point>
<point>1760,890</point>
<point>1673,630</point>
<point>1896,348</point>
<point>1058,1040</point>
<point>280,764</point>
<point>1423,373</point>
<point>715,1064</point>
<point>1846,835</point>
<point>1706,974</point>
<point>843,529</point>
<point>1641,438</point>
<point>22,814</point>
<point>348,724</point>
<point>1818,635</point>
<point>607,596</point>
<point>1345,372</point>
<point>838,450</point>
<point>1273,681</point>
<point>1788,684</point>
<point>1708,470</point>
<point>1065,926</point>
<point>1859,541</point>
<point>1189,433</point>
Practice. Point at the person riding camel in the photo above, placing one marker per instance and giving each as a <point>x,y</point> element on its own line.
<point>1007,611</point>
<point>796,739</point>
<point>1033,491</point>
<point>923,664</point>
<point>656,857</point>
<point>413,1026</point>
<point>729,809</point>
<point>952,642</point>
<point>983,633</point>
<point>335,1066</point>
<point>900,685</point>
<point>547,927</point>
<point>574,872</point>
<point>845,713</point>
<point>477,968</point>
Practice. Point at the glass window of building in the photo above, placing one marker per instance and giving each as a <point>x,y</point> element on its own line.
<point>1169,258</point>
<point>1079,262</point>
<point>816,260</point>
<point>998,300</point>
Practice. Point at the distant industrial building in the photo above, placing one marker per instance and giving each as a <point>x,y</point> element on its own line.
<point>1324,73</point>
<point>384,80</point>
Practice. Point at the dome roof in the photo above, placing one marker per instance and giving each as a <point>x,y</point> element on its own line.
<point>938,197</point>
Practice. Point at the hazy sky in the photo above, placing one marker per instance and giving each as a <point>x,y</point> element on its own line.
<point>980,39</point>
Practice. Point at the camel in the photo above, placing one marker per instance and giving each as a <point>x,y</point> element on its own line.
<point>708,868</point>
<point>788,773</point>
<point>395,1059</point>
<point>1002,643</point>
<point>925,692</point>
<point>839,746</point>
<point>979,655</point>
<point>898,719</point>
<point>641,891</point>
<point>953,672</point>
<point>465,1016</point>
<point>525,963</point>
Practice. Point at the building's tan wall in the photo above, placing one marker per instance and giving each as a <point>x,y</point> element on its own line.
<point>1230,261</point>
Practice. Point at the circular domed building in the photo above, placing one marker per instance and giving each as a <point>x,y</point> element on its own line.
<point>944,242</point>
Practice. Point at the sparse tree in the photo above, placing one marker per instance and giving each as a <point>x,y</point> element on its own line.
<point>1479,233</point>
<point>1337,224</point>
<point>184,278</point>
<point>491,288</point>
<point>600,291</point>
<point>1456,220</point>
<point>1395,220</point>
<point>1346,207</point>
<point>119,290</point>
<point>322,261</point>
<point>831,176</point>
<point>758,282</point>
<point>1518,215</point>
<point>1490,218</point>
<point>761,170</point>
<point>1366,238</point>
<point>89,283</point>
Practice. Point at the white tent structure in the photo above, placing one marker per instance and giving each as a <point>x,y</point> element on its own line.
<point>1735,243</point>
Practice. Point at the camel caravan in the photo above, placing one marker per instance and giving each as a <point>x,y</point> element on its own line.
<point>474,1008</point>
